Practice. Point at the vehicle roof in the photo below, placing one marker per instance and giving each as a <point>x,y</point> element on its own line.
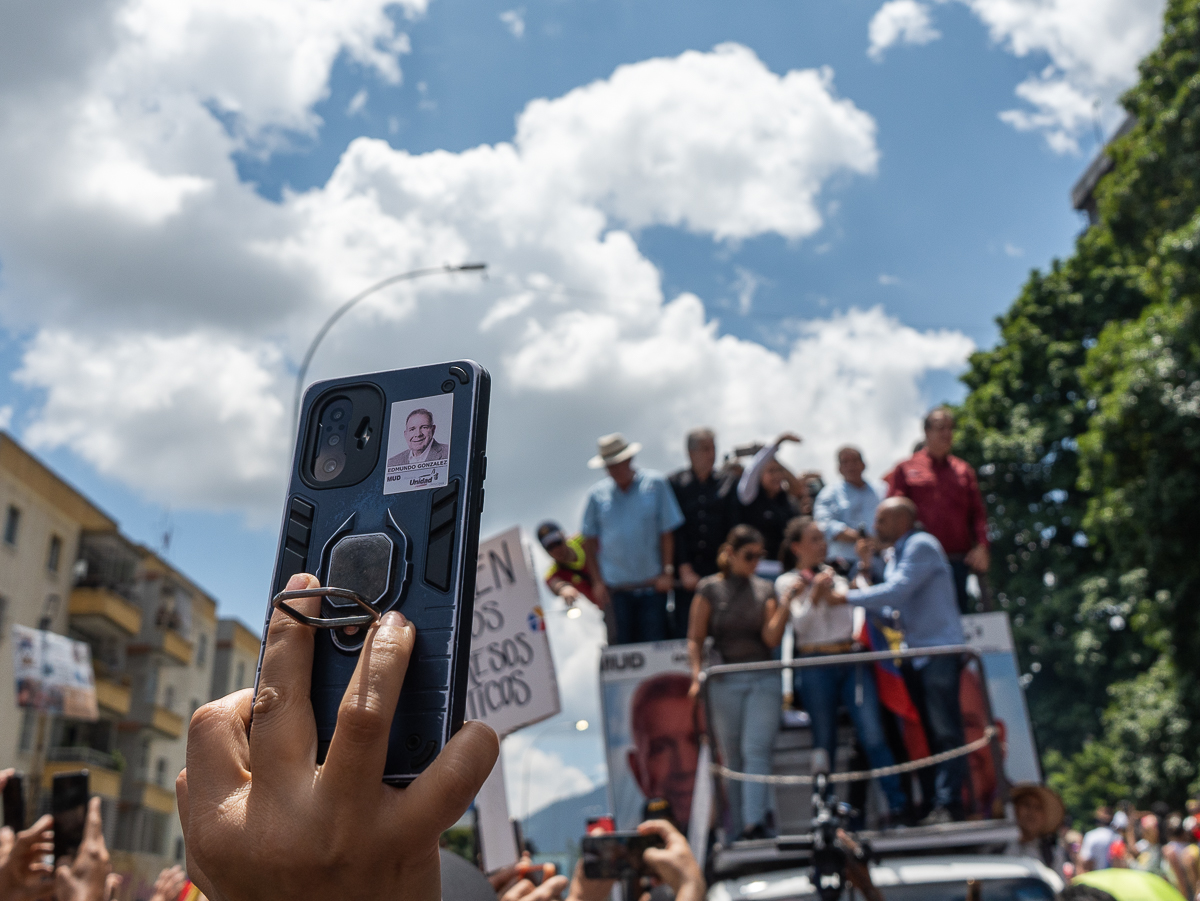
<point>894,871</point>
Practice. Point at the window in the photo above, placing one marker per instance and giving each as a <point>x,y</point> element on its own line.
<point>160,772</point>
<point>54,554</point>
<point>3,614</point>
<point>169,697</point>
<point>239,681</point>
<point>12,523</point>
<point>201,649</point>
<point>179,850</point>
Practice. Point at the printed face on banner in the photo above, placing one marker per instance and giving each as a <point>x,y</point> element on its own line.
<point>651,729</point>
<point>54,673</point>
<point>512,673</point>
<point>418,451</point>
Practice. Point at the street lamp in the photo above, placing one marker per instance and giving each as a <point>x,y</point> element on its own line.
<point>578,726</point>
<point>345,308</point>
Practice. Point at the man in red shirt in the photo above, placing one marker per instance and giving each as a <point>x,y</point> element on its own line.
<point>949,505</point>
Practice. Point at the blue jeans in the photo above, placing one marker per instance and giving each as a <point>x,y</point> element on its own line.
<point>822,689</point>
<point>934,690</point>
<point>641,615</point>
<point>745,717</point>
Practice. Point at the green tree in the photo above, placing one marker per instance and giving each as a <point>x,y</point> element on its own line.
<point>1083,422</point>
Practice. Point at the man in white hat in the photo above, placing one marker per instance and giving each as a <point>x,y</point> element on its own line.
<point>628,527</point>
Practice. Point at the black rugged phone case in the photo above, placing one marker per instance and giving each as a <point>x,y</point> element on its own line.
<point>434,533</point>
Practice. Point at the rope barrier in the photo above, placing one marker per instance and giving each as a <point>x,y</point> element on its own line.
<point>859,775</point>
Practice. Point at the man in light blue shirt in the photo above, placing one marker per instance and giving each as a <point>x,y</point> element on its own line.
<point>919,584</point>
<point>628,528</point>
<point>843,506</point>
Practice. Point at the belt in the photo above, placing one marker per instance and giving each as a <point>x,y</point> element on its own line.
<point>840,647</point>
<point>637,588</point>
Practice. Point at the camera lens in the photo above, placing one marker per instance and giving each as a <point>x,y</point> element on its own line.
<point>334,440</point>
<point>330,465</point>
<point>337,415</point>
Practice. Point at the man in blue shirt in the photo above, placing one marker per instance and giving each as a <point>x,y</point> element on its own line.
<point>628,528</point>
<point>842,507</point>
<point>919,584</point>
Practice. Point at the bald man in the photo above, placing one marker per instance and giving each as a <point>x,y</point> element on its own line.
<point>919,584</point>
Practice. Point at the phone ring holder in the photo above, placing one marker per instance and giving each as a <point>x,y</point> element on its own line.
<point>279,602</point>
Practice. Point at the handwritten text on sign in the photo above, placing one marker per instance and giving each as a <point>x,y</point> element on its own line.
<point>512,672</point>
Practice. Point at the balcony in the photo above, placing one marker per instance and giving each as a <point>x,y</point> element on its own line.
<point>102,612</point>
<point>166,723</point>
<point>156,798</point>
<point>112,696</point>
<point>104,778</point>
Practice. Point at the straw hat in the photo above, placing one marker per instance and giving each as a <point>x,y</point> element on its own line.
<point>613,449</point>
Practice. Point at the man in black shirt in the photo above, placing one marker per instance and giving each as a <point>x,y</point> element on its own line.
<point>704,499</point>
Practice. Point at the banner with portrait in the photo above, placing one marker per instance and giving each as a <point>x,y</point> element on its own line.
<point>651,729</point>
<point>54,674</point>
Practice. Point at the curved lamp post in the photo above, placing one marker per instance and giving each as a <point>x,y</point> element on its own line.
<point>345,308</point>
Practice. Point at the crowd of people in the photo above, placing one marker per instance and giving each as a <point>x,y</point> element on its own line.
<point>750,562</point>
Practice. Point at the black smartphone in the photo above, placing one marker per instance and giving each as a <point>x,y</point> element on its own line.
<point>617,855</point>
<point>14,803</point>
<point>383,507</point>
<point>68,804</point>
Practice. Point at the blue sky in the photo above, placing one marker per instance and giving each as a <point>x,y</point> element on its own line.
<point>168,248</point>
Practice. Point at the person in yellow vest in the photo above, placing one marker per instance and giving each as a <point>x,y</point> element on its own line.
<point>568,576</point>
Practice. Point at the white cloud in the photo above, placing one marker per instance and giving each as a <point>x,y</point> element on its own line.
<point>535,778</point>
<point>746,284</point>
<point>714,142</point>
<point>514,21</point>
<point>900,22</point>
<point>6,414</point>
<point>357,103</point>
<point>1094,47</point>
<point>1013,250</point>
<point>885,279</point>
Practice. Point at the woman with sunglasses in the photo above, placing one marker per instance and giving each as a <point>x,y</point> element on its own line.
<point>822,625</point>
<point>735,619</point>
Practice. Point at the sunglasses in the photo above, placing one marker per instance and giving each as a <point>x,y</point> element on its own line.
<point>752,556</point>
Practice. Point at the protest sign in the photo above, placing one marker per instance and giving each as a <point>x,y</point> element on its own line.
<point>54,674</point>
<point>651,730</point>
<point>512,672</point>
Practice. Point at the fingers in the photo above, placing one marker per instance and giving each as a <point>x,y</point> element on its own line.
<point>93,829</point>
<point>283,740</point>
<point>438,797</point>
<point>218,758</point>
<point>358,751</point>
<point>525,890</point>
<point>661,828</point>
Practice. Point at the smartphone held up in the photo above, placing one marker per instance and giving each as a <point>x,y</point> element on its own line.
<point>383,508</point>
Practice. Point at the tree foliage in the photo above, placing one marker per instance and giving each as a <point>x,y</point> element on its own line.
<point>1083,421</point>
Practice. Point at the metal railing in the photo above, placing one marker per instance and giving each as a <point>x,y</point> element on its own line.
<point>990,740</point>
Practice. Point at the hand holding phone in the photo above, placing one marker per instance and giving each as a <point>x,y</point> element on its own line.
<point>617,855</point>
<point>383,508</point>
<point>85,876</point>
<point>263,821</point>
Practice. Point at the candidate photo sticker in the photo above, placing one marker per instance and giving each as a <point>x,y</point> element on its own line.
<point>418,451</point>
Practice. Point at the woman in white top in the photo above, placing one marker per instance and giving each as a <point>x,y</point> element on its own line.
<point>823,625</point>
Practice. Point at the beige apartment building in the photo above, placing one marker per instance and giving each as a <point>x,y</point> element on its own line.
<point>158,651</point>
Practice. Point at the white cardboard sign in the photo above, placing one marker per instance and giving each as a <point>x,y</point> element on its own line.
<point>512,673</point>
